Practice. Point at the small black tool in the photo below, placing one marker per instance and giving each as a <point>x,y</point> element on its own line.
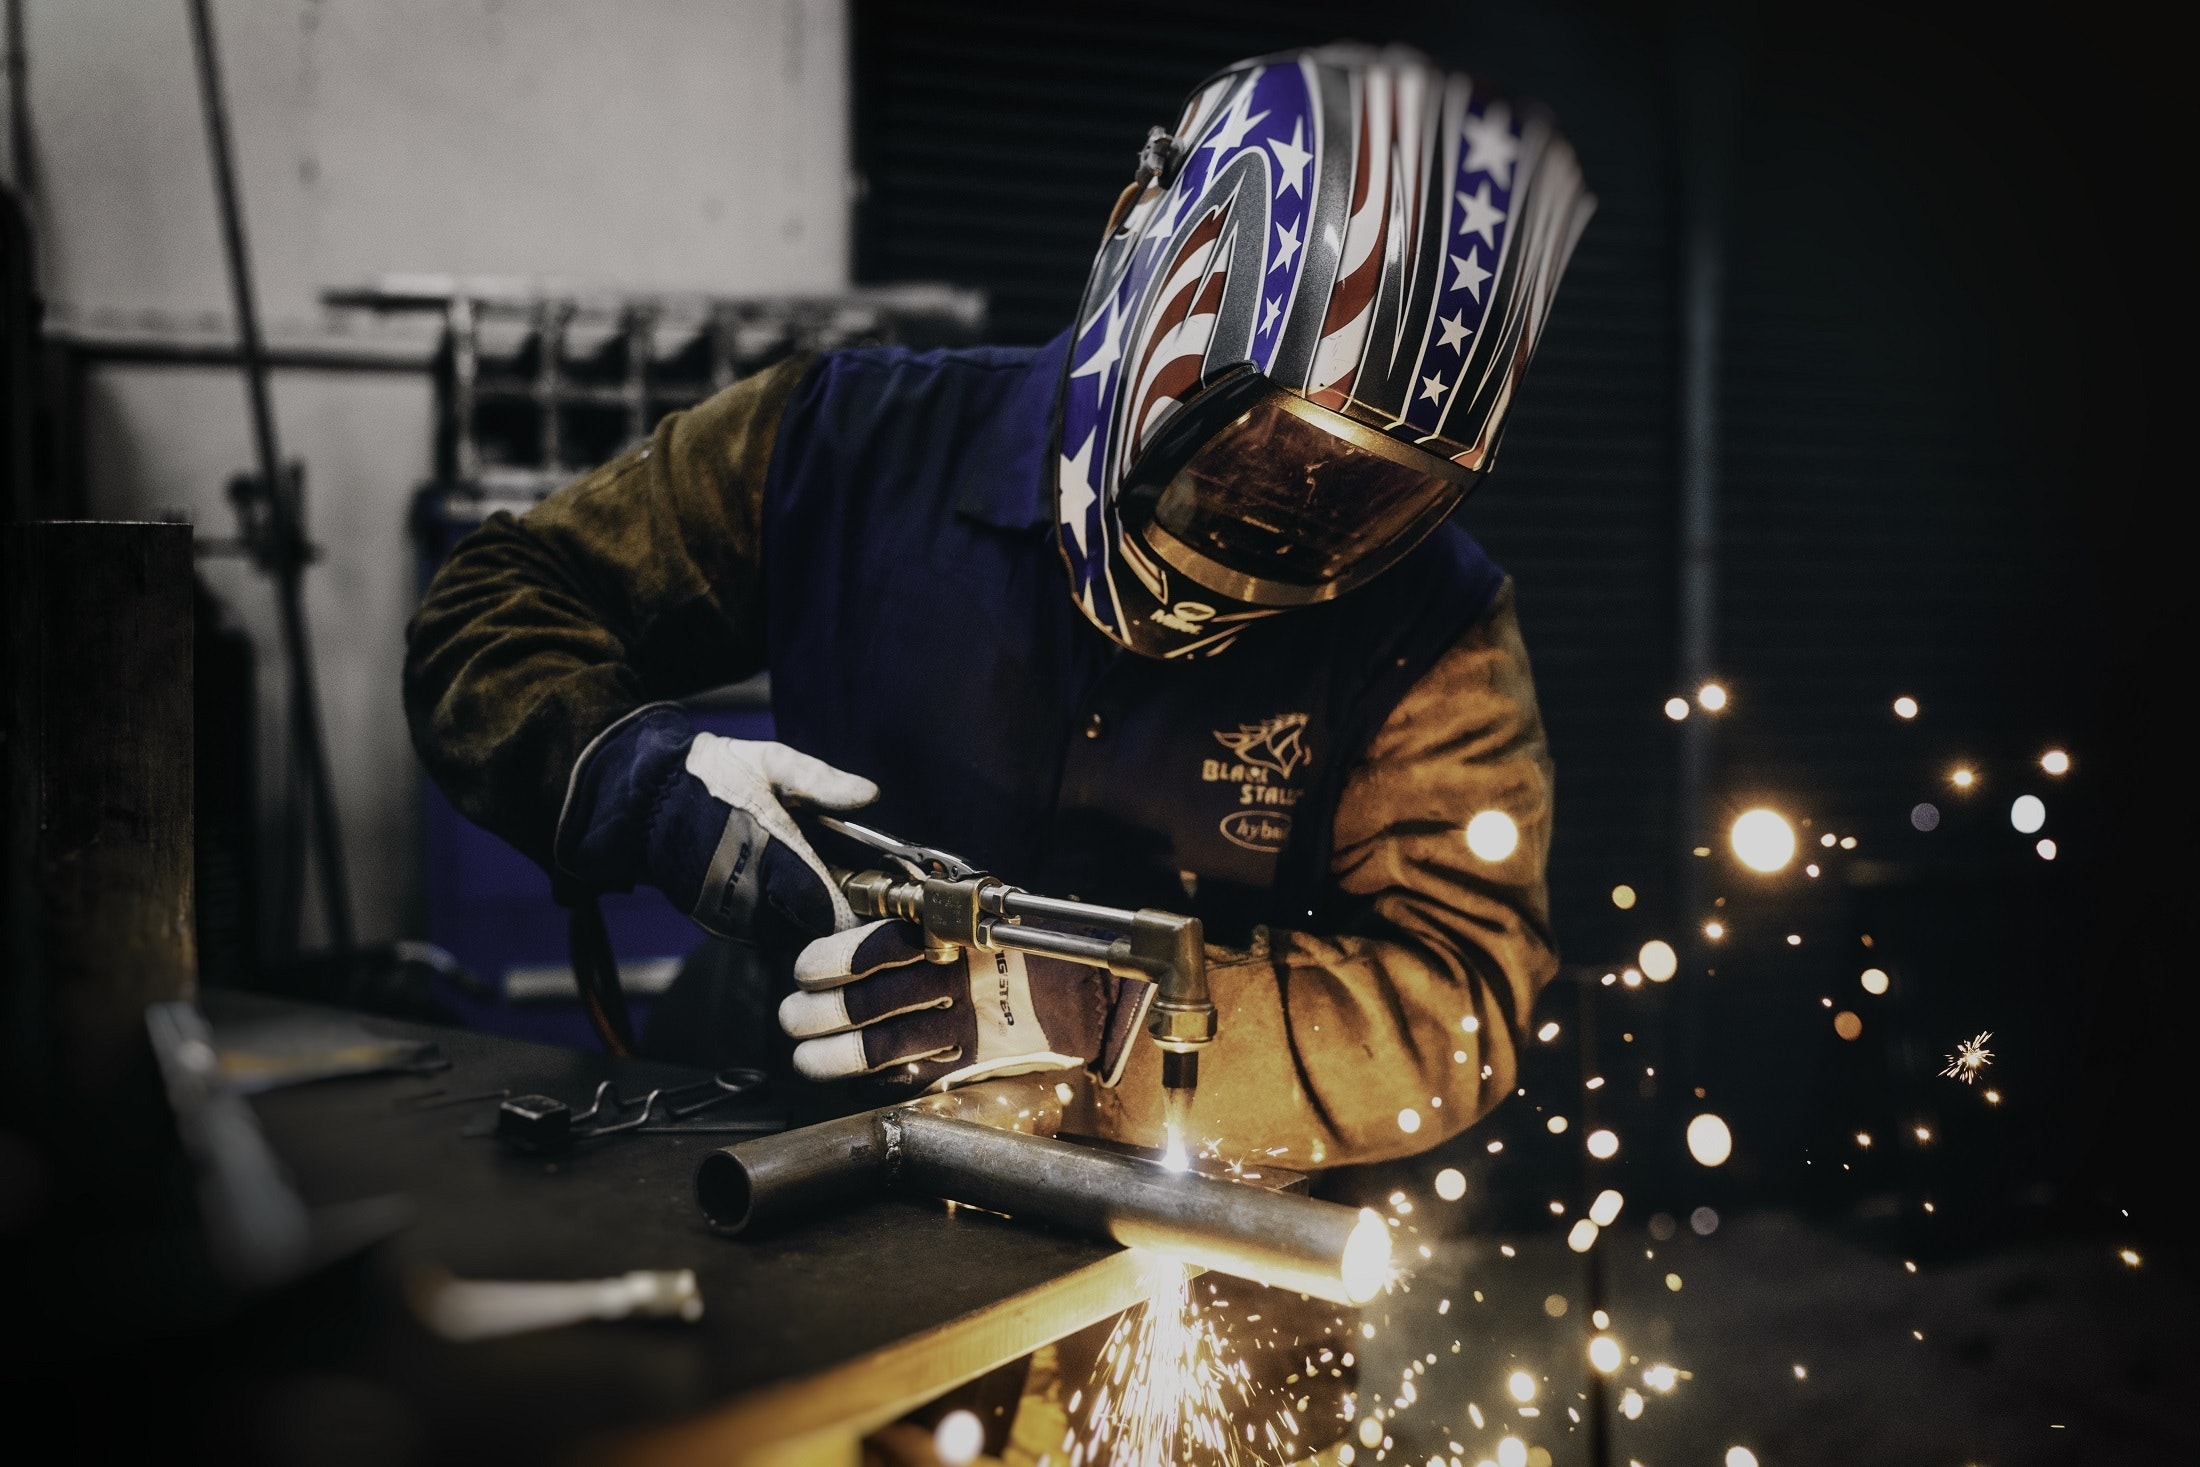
<point>541,1124</point>
<point>536,1124</point>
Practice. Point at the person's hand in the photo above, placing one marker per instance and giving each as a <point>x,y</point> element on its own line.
<point>869,1002</point>
<point>703,819</point>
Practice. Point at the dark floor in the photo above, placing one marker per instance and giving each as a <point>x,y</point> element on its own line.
<point>1793,1343</point>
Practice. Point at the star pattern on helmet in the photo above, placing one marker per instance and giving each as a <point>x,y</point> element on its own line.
<point>1470,274</point>
<point>1433,388</point>
<point>1477,215</point>
<point>1229,133</point>
<point>1291,159</point>
<point>1491,146</point>
<point>1454,327</point>
<point>1287,246</point>
<point>1077,493</point>
<point>1110,349</point>
<point>1270,308</point>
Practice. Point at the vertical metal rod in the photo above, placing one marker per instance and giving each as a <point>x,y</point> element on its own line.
<point>23,158</point>
<point>463,323</point>
<point>305,710</point>
<point>1702,139</point>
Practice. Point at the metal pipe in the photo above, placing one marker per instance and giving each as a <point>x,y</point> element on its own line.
<point>282,505</point>
<point>1017,903</point>
<point>1320,1248</point>
<point>1703,68</point>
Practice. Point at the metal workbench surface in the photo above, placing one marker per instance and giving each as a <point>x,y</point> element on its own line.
<point>775,1311</point>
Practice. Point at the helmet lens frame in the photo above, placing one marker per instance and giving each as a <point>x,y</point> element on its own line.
<point>1255,493</point>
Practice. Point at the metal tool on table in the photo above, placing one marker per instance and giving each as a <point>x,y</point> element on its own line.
<point>961,907</point>
<point>539,1124</point>
<point>465,1310</point>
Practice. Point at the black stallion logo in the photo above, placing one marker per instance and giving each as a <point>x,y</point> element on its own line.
<point>1277,743</point>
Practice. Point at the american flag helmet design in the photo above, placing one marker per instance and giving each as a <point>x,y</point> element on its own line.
<point>1368,232</point>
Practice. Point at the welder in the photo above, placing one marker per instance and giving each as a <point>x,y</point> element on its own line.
<point>1172,612</point>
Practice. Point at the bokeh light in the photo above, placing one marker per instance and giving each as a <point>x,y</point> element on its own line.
<point>1740,1457</point>
<point>1763,840</point>
<point>1603,1145</point>
<point>1905,707</point>
<point>1512,1452</point>
<point>1605,1210</point>
<point>958,1438</point>
<point>1659,961</point>
<point>1709,1140</point>
<point>2046,850</point>
<point>1604,1354</point>
<point>1963,779</point>
<point>2055,761</point>
<point>1492,835</point>
<point>1451,1184</point>
<point>1711,697</point>
<point>1623,897</point>
<point>1714,930</point>
<point>1848,1025</point>
<point>1521,1386</point>
<point>2027,813</point>
<point>1676,709</point>
<point>1874,980</point>
<point>1925,816</point>
<point>1409,1120</point>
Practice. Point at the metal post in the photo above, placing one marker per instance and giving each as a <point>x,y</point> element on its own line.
<point>288,561</point>
<point>1701,74</point>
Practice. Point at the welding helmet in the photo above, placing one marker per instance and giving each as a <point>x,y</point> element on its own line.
<point>1296,348</point>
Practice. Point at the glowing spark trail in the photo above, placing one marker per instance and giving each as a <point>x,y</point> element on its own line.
<point>1970,1057</point>
<point>1169,1383</point>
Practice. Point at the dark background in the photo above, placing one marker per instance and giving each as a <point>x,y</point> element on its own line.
<point>1945,405</point>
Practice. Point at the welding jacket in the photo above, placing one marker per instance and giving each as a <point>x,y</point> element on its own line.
<point>875,527</point>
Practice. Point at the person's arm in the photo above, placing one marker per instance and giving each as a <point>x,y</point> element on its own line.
<point>638,582</point>
<point>1419,1005</point>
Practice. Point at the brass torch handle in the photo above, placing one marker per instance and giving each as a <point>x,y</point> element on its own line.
<point>986,914</point>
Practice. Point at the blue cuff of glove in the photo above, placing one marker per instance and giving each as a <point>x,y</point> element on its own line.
<point>628,782</point>
<point>635,813</point>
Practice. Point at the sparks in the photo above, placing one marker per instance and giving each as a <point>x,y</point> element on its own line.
<point>1169,1382</point>
<point>1970,1057</point>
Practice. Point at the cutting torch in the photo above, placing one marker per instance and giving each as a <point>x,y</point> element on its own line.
<point>960,907</point>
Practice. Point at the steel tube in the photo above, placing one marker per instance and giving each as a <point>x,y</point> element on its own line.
<point>1319,1248</point>
<point>1028,904</point>
<point>1096,952</point>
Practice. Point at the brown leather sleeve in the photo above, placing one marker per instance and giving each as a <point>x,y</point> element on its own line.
<point>1327,1042</point>
<point>638,581</point>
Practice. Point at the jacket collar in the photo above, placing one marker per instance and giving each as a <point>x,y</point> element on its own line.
<point>1003,480</point>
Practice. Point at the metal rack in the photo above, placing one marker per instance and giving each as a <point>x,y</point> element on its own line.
<point>537,383</point>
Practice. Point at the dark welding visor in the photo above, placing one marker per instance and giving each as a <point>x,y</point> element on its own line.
<point>1257,494</point>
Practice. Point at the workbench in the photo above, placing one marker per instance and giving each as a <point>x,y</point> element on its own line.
<point>807,1341</point>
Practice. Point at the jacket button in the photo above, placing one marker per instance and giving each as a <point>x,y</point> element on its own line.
<point>1095,725</point>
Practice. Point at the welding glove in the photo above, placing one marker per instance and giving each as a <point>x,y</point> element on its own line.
<point>703,819</point>
<point>869,1002</point>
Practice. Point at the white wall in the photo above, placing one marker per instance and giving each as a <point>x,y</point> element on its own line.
<point>674,144</point>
